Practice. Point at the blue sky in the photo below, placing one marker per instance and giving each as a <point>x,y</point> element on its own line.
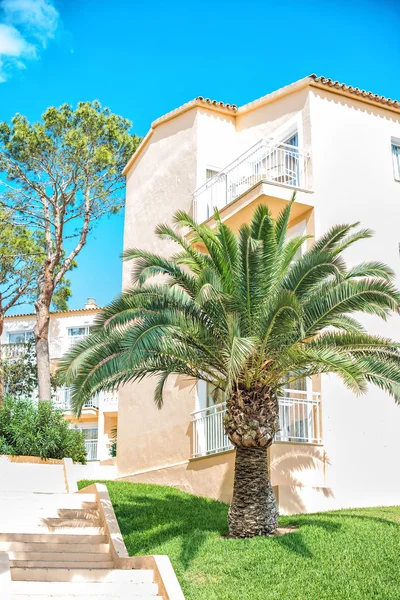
<point>144,58</point>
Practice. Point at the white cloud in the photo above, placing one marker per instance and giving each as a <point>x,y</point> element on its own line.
<point>25,27</point>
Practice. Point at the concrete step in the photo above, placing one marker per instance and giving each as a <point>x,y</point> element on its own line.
<point>78,536</point>
<point>42,528</point>
<point>44,499</point>
<point>38,547</point>
<point>92,590</point>
<point>59,563</point>
<point>33,519</point>
<point>126,595</point>
<point>36,513</point>
<point>44,578</point>
<point>74,555</point>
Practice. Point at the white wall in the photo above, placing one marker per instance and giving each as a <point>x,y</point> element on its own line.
<point>353,181</point>
<point>352,177</point>
<point>59,323</point>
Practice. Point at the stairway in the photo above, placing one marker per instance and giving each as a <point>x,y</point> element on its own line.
<point>58,549</point>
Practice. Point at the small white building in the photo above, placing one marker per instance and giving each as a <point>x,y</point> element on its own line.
<point>99,416</point>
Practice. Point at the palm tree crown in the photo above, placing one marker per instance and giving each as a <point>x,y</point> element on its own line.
<point>241,312</point>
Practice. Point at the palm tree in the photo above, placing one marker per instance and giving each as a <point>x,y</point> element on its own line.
<point>242,312</point>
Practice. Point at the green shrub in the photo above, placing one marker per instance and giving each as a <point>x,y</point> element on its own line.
<point>28,428</point>
<point>113,449</point>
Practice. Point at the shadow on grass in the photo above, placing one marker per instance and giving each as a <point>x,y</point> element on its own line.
<point>332,524</point>
<point>148,522</point>
<point>150,517</point>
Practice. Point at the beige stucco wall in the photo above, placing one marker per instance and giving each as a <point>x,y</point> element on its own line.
<point>352,179</point>
<point>158,184</point>
<point>292,467</point>
<point>274,118</point>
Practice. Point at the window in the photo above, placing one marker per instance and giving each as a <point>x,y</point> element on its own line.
<point>91,433</point>
<point>292,174</point>
<point>78,331</point>
<point>76,334</point>
<point>210,173</point>
<point>20,337</point>
<point>396,159</point>
<point>293,140</point>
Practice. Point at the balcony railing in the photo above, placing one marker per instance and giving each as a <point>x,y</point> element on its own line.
<point>268,161</point>
<point>10,351</point>
<point>110,399</point>
<point>59,346</point>
<point>299,418</point>
<point>91,449</point>
<point>63,400</point>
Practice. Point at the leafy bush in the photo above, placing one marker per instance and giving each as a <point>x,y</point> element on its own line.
<point>113,446</point>
<point>38,429</point>
<point>113,449</point>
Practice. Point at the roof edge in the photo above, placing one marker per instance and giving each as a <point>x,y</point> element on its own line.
<point>56,312</point>
<point>199,102</point>
<point>231,109</point>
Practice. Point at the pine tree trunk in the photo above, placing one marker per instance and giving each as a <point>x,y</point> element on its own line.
<point>253,510</point>
<point>42,344</point>
<point>1,360</point>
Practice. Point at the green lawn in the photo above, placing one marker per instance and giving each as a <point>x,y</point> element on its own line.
<point>343,555</point>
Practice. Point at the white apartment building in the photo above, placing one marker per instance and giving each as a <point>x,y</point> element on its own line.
<point>99,416</point>
<point>338,147</point>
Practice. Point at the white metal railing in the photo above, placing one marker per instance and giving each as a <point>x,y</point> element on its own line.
<point>59,346</point>
<point>299,418</point>
<point>9,351</point>
<point>268,160</point>
<point>63,400</point>
<point>110,398</point>
<point>91,449</point>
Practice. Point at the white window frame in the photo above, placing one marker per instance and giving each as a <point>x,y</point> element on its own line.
<point>289,129</point>
<point>85,327</point>
<point>211,168</point>
<point>395,151</point>
<point>26,339</point>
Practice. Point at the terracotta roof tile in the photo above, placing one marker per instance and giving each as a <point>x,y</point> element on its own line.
<point>354,90</point>
<point>55,312</point>
<point>232,107</point>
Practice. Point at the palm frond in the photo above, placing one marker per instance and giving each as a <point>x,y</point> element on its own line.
<point>245,312</point>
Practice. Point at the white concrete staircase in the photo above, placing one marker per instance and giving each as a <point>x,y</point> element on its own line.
<point>58,547</point>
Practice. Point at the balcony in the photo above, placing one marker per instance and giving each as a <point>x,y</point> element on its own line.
<point>299,418</point>
<point>63,400</point>
<point>109,401</point>
<point>267,161</point>
<point>59,346</point>
<point>12,351</point>
<point>106,401</point>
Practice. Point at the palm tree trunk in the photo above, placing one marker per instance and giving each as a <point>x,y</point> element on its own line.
<point>253,510</point>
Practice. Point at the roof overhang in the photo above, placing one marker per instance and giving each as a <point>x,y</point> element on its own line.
<point>313,80</point>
